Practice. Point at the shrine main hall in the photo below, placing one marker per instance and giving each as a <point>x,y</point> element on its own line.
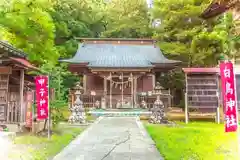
<point>116,71</point>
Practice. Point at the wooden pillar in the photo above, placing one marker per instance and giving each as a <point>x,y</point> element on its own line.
<point>132,95</point>
<point>186,101</point>
<point>122,90</point>
<point>104,91</point>
<point>153,80</point>
<point>22,119</point>
<point>84,83</point>
<point>110,90</point>
<point>135,91</point>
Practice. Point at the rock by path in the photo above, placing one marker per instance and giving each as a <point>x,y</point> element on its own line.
<point>112,138</point>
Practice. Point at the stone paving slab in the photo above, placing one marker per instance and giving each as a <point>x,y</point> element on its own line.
<point>112,138</point>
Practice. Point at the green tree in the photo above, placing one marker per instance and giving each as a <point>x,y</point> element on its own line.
<point>75,18</point>
<point>184,36</point>
<point>28,25</point>
<point>127,19</point>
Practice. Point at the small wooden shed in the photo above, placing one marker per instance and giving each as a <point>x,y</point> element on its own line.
<point>202,90</point>
<point>15,82</point>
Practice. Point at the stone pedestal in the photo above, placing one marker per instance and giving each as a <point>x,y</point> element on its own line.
<point>158,115</point>
<point>77,110</point>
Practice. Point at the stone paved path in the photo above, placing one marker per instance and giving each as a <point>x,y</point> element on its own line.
<point>112,138</point>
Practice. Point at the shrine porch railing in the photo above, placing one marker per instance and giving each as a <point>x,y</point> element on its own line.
<point>90,101</point>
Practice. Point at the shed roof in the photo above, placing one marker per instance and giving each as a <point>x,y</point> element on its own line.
<point>12,50</point>
<point>119,55</point>
<point>213,70</point>
<point>16,55</point>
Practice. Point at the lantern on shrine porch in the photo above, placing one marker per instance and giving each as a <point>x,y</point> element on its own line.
<point>158,88</point>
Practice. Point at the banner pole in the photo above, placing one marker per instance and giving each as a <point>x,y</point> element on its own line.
<point>49,119</point>
<point>236,99</point>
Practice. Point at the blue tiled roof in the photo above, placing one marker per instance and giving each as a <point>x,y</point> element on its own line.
<point>118,55</point>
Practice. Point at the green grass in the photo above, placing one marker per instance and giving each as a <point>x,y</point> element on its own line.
<point>194,141</point>
<point>41,148</point>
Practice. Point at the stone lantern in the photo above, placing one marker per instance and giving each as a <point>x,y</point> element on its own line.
<point>143,104</point>
<point>97,104</point>
<point>158,89</point>
<point>158,107</point>
<point>77,110</point>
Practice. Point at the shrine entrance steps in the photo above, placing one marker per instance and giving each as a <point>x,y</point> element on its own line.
<point>123,112</point>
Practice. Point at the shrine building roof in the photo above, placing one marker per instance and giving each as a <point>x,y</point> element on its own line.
<point>119,53</point>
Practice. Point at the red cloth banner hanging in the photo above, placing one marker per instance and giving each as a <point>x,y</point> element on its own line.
<point>42,97</point>
<point>229,96</point>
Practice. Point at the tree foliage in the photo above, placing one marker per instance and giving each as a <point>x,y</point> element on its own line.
<point>183,35</point>
<point>74,18</point>
<point>28,25</point>
<point>47,30</point>
<point>127,19</point>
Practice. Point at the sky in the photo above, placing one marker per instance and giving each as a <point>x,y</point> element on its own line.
<point>150,3</point>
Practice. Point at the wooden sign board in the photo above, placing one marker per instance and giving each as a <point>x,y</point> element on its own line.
<point>5,70</point>
<point>202,91</point>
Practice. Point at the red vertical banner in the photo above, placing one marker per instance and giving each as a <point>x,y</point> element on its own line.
<point>29,100</point>
<point>42,97</point>
<point>229,96</point>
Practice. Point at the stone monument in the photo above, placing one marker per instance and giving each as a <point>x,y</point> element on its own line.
<point>77,110</point>
<point>158,115</point>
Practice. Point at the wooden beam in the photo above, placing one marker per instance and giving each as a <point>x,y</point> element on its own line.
<point>5,70</point>
<point>96,70</point>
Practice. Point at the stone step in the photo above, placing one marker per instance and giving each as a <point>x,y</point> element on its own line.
<point>117,114</point>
